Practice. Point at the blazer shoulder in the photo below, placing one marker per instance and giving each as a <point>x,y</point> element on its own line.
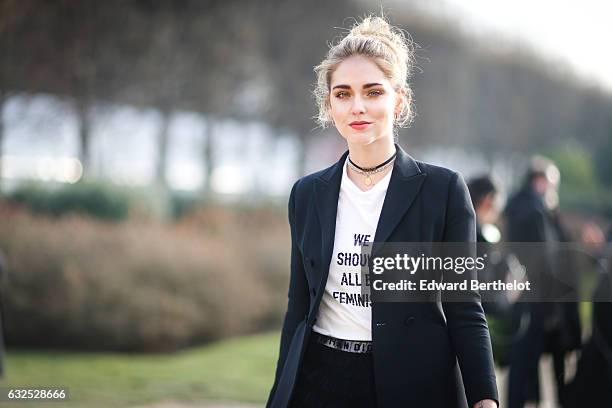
<point>304,185</point>
<point>438,175</point>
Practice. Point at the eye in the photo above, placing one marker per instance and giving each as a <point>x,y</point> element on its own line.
<point>375,92</point>
<point>341,95</point>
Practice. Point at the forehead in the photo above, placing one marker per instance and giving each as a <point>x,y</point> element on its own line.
<point>357,70</point>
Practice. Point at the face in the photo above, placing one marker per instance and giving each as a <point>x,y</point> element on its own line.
<point>547,188</point>
<point>362,101</point>
<point>488,210</point>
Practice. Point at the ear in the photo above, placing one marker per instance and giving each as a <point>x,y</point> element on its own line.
<point>400,100</point>
<point>327,107</point>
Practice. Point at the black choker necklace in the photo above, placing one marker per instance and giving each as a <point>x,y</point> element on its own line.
<point>371,169</point>
<point>368,172</point>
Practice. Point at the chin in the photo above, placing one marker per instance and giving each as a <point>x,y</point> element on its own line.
<point>360,138</point>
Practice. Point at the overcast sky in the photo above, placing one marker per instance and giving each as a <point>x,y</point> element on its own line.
<point>579,32</point>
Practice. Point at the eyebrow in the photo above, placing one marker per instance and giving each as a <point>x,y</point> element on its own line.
<point>364,87</point>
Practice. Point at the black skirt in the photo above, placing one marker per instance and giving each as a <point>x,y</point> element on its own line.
<point>334,378</point>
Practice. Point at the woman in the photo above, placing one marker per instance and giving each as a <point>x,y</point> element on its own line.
<point>337,348</point>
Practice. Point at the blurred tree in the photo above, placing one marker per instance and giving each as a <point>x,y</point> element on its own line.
<point>208,155</point>
<point>254,61</point>
<point>182,68</point>
<point>57,50</point>
<point>83,25</point>
<point>11,14</point>
<point>2,99</point>
<point>494,95</point>
<point>575,164</point>
<point>603,164</point>
<point>293,46</point>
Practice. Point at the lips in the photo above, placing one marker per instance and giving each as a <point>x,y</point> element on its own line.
<point>359,124</point>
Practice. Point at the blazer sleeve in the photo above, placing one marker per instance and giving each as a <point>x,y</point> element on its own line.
<point>466,320</point>
<point>298,297</point>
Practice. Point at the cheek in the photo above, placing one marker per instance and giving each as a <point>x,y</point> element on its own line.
<point>385,109</point>
<point>338,109</point>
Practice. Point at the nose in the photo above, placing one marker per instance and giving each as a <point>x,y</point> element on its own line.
<point>358,106</point>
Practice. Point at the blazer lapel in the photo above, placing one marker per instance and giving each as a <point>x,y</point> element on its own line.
<point>404,185</point>
<point>406,181</point>
<point>327,191</point>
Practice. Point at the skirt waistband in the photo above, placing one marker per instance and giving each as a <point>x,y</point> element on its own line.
<point>351,346</point>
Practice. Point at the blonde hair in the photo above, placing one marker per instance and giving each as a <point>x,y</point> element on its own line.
<point>390,50</point>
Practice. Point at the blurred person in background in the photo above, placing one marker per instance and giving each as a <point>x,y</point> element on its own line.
<point>532,217</point>
<point>565,336</point>
<point>484,192</point>
<point>592,383</point>
<point>339,353</point>
<point>498,305</point>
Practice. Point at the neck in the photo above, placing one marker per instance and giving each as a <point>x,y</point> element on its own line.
<point>481,217</point>
<point>373,154</point>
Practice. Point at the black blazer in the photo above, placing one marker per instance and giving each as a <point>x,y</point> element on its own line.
<point>416,350</point>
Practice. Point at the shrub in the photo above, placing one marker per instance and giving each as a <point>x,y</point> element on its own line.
<point>79,283</point>
<point>96,199</point>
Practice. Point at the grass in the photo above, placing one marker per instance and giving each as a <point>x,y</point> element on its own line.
<point>240,369</point>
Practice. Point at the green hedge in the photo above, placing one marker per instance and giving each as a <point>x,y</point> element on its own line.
<point>95,199</point>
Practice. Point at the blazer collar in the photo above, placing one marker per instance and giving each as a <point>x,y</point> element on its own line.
<point>405,167</point>
<point>404,185</point>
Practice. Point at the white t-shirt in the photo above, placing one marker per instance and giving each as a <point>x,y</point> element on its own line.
<point>344,312</point>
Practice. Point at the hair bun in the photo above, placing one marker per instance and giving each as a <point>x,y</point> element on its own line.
<point>373,26</point>
<point>379,29</point>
